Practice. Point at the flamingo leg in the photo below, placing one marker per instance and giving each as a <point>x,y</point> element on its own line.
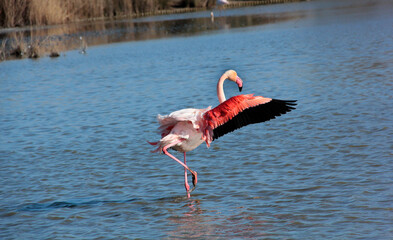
<point>194,173</point>
<point>185,178</point>
<point>194,177</point>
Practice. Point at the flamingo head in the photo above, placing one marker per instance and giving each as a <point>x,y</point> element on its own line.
<point>232,75</point>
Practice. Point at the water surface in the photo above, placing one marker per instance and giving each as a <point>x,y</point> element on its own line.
<point>74,162</point>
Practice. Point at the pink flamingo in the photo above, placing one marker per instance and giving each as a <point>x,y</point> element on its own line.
<point>186,129</point>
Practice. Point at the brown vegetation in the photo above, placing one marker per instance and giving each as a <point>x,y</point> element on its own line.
<point>50,41</point>
<point>20,13</point>
<point>16,13</point>
<point>17,45</point>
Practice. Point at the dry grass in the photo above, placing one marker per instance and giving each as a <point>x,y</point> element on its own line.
<point>16,13</point>
<point>19,46</point>
<point>3,50</point>
<point>43,12</point>
<point>13,12</point>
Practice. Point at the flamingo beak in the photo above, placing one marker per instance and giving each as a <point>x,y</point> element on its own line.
<point>239,82</point>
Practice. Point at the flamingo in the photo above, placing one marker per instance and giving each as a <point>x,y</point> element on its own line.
<point>186,129</point>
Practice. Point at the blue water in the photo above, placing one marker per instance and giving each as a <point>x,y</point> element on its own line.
<point>74,162</point>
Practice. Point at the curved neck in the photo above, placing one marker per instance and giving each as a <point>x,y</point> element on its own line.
<point>220,88</point>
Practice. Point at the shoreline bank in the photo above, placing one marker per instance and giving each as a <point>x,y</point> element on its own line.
<point>233,4</point>
<point>41,41</point>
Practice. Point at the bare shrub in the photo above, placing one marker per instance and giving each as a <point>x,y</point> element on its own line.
<point>13,12</point>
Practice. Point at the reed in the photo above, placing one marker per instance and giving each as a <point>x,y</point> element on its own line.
<point>53,41</point>
<point>18,46</point>
<point>16,13</point>
<point>43,12</point>
<point>13,13</point>
<point>3,49</point>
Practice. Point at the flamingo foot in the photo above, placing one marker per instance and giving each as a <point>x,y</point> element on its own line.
<point>194,180</point>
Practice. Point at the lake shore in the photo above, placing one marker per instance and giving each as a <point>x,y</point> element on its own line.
<point>34,41</point>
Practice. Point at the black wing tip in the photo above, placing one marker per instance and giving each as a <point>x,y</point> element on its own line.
<point>291,102</point>
<point>287,104</point>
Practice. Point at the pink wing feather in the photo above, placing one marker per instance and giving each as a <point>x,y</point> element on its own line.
<point>239,111</point>
<point>167,122</point>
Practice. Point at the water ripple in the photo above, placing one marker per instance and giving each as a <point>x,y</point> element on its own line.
<point>74,162</point>
<point>54,205</point>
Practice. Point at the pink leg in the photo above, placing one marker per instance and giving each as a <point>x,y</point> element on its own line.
<point>171,156</point>
<point>185,178</point>
<point>194,173</point>
<point>194,177</point>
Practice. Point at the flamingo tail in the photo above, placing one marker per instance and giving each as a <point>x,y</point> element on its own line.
<point>167,140</point>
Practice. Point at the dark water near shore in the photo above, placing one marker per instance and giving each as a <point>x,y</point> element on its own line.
<point>74,162</point>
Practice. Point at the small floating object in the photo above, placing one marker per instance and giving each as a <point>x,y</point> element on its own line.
<point>54,54</point>
<point>17,52</point>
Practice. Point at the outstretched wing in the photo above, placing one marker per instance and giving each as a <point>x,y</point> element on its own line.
<point>240,111</point>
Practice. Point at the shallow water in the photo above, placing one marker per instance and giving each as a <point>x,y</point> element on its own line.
<point>75,162</point>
